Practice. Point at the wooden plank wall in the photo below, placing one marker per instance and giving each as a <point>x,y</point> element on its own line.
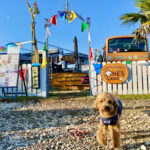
<point>67,81</point>
<point>138,81</point>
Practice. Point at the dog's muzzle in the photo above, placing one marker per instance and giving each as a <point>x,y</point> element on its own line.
<point>107,108</point>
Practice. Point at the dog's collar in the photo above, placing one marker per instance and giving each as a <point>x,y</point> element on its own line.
<point>113,120</point>
<point>109,121</point>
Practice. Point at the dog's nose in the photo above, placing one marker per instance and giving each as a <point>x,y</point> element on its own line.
<point>107,108</point>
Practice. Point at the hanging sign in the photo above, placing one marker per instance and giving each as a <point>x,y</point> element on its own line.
<point>114,73</point>
<point>35,76</point>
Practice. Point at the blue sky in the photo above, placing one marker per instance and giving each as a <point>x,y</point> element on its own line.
<point>15,22</point>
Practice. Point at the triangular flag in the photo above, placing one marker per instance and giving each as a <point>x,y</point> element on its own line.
<point>90,53</point>
<point>97,68</point>
<point>84,26</point>
<point>53,20</point>
<point>72,16</point>
<point>24,72</point>
<point>44,62</point>
<point>62,15</point>
<point>44,47</point>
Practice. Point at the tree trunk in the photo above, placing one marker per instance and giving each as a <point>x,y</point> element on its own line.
<point>35,58</point>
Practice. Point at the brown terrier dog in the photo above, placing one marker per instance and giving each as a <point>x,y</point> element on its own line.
<point>110,109</point>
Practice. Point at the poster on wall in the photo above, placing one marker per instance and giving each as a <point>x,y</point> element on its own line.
<point>8,70</point>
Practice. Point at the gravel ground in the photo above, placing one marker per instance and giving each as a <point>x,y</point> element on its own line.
<point>42,125</point>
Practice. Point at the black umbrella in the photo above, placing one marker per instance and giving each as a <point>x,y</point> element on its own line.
<point>75,47</point>
<point>76,52</point>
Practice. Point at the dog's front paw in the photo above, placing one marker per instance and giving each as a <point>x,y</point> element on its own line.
<point>102,140</point>
<point>116,144</point>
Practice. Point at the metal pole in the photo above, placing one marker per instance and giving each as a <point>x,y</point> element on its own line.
<point>47,81</point>
<point>89,42</point>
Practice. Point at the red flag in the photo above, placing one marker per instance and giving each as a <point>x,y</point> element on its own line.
<point>90,53</point>
<point>24,71</point>
<point>53,20</point>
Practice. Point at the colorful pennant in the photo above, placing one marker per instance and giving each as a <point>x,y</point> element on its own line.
<point>24,73</point>
<point>84,26</point>
<point>97,68</point>
<point>91,53</point>
<point>53,20</point>
<point>62,15</point>
<point>72,16</point>
<point>44,62</point>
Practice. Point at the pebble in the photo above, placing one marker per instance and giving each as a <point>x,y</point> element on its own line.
<point>147,143</point>
<point>42,125</point>
<point>143,147</point>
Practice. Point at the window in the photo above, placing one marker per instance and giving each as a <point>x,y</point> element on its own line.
<point>126,45</point>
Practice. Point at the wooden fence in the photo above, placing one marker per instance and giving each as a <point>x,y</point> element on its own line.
<point>41,92</point>
<point>138,81</point>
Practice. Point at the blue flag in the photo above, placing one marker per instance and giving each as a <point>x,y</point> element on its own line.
<point>62,15</point>
<point>97,68</point>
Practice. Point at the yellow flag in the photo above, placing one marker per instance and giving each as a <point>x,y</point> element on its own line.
<point>72,16</point>
<point>44,62</point>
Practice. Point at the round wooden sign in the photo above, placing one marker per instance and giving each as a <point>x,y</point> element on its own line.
<point>114,73</point>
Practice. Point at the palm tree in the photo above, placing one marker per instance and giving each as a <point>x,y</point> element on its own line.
<point>142,17</point>
<point>33,12</point>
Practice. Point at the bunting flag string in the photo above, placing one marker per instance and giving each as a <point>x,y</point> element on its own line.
<point>72,16</point>
<point>69,15</point>
<point>97,68</point>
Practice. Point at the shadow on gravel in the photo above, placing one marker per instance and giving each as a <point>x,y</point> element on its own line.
<point>27,120</point>
<point>140,134</point>
<point>132,146</point>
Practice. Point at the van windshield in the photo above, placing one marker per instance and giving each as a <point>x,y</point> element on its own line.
<point>127,45</point>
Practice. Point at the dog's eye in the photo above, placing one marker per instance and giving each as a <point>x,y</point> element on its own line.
<point>109,101</point>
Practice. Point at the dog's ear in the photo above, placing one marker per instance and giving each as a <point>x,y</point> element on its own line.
<point>96,103</point>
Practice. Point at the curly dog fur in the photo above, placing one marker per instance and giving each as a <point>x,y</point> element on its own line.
<point>108,108</point>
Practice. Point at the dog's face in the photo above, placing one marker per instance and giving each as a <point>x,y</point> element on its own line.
<point>106,104</point>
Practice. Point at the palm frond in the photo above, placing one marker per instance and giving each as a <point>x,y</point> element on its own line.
<point>133,18</point>
<point>143,5</point>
